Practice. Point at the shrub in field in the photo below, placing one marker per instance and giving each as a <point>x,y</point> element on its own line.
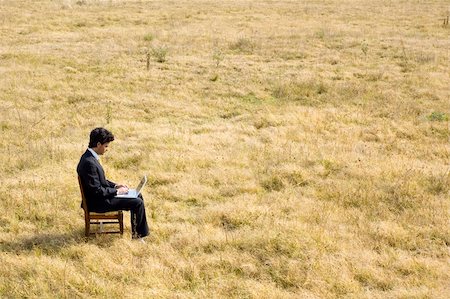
<point>160,53</point>
<point>437,116</point>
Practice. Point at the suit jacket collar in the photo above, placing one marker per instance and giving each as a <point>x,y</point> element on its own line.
<point>87,154</point>
<point>93,153</point>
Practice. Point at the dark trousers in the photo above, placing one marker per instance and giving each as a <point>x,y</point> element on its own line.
<point>136,206</point>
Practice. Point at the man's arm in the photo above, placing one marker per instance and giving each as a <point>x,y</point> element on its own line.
<point>93,184</point>
<point>111,184</point>
<point>118,186</point>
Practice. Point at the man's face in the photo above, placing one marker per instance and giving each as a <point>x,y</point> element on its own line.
<point>101,148</point>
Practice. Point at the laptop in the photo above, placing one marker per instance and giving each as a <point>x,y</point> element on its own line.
<point>133,193</point>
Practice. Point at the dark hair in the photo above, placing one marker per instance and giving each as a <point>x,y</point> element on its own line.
<point>100,135</point>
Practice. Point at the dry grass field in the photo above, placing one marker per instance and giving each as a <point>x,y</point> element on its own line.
<point>295,149</point>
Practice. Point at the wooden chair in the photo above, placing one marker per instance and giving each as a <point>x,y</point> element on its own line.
<point>115,217</point>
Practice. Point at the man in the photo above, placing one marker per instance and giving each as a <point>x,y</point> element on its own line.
<point>100,193</point>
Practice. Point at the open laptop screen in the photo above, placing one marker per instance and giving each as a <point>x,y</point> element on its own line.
<point>141,184</point>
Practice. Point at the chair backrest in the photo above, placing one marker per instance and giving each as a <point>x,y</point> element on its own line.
<point>83,199</point>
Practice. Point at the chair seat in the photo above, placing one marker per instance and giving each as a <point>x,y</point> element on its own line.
<point>113,213</point>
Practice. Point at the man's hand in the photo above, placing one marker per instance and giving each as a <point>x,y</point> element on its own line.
<point>120,186</point>
<point>122,190</point>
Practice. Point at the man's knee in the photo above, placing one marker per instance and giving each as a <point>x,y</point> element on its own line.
<point>137,202</point>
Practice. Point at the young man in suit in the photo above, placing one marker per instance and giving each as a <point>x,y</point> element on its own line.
<point>100,193</point>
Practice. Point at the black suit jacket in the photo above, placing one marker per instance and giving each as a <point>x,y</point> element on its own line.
<point>97,189</point>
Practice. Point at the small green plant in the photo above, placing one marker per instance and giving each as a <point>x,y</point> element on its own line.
<point>214,77</point>
<point>406,65</point>
<point>108,113</point>
<point>329,167</point>
<point>437,116</point>
<point>160,53</point>
<point>320,34</point>
<point>217,57</point>
<point>148,37</point>
<point>364,47</point>
<point>148,60</point>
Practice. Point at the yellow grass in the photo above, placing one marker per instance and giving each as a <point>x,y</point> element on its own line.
<point>295,149</point>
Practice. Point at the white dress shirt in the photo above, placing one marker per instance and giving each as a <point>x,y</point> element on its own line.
<point>94,153</point>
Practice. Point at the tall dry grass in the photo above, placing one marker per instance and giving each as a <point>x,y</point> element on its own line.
<point>294,149</point>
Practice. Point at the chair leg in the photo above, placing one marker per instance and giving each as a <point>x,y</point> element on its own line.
<point>87,226</point>
<point>121,223</point>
